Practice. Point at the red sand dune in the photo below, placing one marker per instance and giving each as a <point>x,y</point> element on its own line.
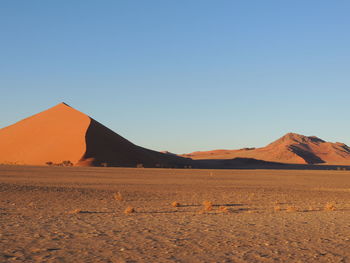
<point>63,133</point>
<point>291,148</point>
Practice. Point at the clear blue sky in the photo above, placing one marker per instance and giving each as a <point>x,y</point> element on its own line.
<point>182,75</point>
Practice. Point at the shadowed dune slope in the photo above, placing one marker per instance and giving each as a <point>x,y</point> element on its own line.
<point>103,146</point>
<point>55,135</point>
<point>291,148</point>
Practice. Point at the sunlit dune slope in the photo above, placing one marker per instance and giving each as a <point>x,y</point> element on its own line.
<point>54,135</point>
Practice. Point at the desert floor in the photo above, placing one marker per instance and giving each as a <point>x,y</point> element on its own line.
<point>69,214</point>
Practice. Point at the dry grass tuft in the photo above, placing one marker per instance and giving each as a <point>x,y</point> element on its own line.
<point>277,208</point>
<point>129,210</point>
<point>291,209</point>
<point>251,196</point>
<point>75,211</point>
<point>118,196</point>
<point>330,207</point>
<point>310,209</point>
<point>175,204</point>
<point>223,209</point>
<point>208,206</point>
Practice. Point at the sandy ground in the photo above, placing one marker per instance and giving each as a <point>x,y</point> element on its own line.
<point>36,225</point>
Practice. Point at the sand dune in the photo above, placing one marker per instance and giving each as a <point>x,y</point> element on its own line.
<point>291,148</point>
<point>62,133</point>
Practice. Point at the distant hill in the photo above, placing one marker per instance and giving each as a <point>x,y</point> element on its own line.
<point>62,133</point>
<point>292,148</point>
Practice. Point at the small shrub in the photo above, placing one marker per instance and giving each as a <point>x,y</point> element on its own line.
<point>330,206</point>
<point>175,204</point>
<point>64,163</point>
<point>118,196</point>
<point>223,209</point>
<point>75,211</point>
<point>291,208</point>
<point>67,163</point>
<point>277,208</point>
<point>251,196</point>
<point>129,210</point>
<point>208,206</point>
<point>341,169</point>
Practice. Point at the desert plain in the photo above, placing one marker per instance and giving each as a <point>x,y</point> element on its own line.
<point>71,214</point>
